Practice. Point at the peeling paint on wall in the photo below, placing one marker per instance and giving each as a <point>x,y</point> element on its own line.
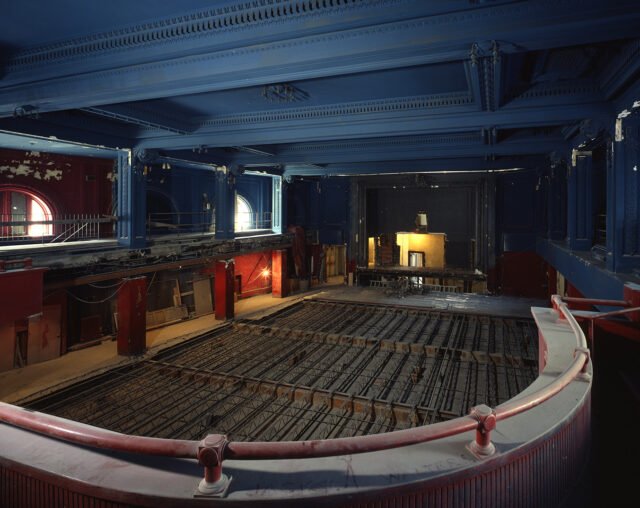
<point>53,174</point>
<point>20,170</point>
<point>62,179</point>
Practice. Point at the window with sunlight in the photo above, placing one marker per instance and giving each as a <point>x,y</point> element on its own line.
<point>243,215</point>
<point>19,206</point>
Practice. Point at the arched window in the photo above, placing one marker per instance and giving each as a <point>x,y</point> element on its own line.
<point>17,205</point>
<point>244,219</point>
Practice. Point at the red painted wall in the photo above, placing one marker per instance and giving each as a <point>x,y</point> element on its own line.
<point>522,274</point>
<point>71,184</point>
<point>250,268</point>
<point>279,273</point>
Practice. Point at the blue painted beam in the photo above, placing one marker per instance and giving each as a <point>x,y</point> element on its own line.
<point>531,25</point>
<point>617,75</point>
<point>416,166</point>
<point>363,124</point>
<point>235,25</point>
<point>483,70</point>
<point>590,279</point>
<point>146,120</point>
<point>27,142</point>
<point>383,149</point>
<point>499,62</point>
<point>472,71</point>
<point>74,128</point>
<point>189,164</point>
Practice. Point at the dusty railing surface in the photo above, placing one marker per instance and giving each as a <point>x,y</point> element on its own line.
<point>21,228</point>
<point>215,448</point>
<point>252,221</point>
<point>184,223</point>
<point>180,223</point>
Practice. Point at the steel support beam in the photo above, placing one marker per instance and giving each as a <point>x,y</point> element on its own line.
<point>132,202</point>
<point>580,202</point>
<point>383,123</point>
<point>591,280</point>
<point>556,203</point>
<point>623,197</point>
<point>200,64</point>
<point>225,205</point>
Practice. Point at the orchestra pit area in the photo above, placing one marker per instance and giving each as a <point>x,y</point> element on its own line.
<point>317,369</point>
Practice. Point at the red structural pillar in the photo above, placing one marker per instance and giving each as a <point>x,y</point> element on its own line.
<point>279,273</point>
<point>20,290</point>
<point>225,287</point>
<point>132,316</point>
<point>632,295</point>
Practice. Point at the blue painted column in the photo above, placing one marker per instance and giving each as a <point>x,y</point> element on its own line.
<point>225,207</point>
<point>580,202</point>
<point>556,203</point>
<point>132,202</point>
<point>279,204</point>
<point>623,198</point>
<point>284,204</point>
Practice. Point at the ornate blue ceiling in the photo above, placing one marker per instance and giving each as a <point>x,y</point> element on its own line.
<point>321,86</point>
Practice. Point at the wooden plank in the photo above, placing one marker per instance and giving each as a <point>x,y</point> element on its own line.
<point>44,335</point>
<point>7,346</point>
<point>202,296</point>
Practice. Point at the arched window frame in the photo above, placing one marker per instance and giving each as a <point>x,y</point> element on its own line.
<point>244,220</point>
<point>33,198</point>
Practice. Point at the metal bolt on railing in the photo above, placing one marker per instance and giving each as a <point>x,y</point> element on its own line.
<point>584,373</point>
<point>210,455</point>
<point>482,446</point>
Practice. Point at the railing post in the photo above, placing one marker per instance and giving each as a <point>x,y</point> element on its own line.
<point>584,372</point>
<point>210,455</point>
<point>482,446</point>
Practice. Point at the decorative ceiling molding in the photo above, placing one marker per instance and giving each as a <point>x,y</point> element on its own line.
<point>384,142</point>
<point>355,108</point>
<point>576,88</point>
<point>415,152</point>
<point>242,15</point>
<point>195,69</point>
<point>520,24</point>
<point>621,69</point>
<point>384,123</point>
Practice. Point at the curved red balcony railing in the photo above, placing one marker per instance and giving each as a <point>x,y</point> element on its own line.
<point>211,451</point>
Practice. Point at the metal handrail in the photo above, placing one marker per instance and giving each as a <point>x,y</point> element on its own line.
<point>80,433</point>
<point>211,451</point>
